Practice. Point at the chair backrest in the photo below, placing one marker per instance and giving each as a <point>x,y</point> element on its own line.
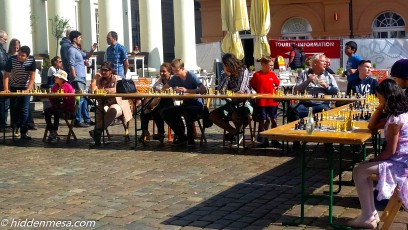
<point>146,59</point>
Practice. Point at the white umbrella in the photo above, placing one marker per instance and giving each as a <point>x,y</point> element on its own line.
<point>234,19</point>
<point>260,25</point>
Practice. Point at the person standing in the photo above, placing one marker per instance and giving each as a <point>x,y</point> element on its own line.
<point>353,60</point>
<point>295,58</point>
<point>4,102</point>
<point>65,43</point>
<point>23,68</point>
<point>117,54</point>
<point>266,81</point>
<point>77,75</point>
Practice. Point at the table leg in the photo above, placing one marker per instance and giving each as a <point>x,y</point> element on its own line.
<point>304,197</point>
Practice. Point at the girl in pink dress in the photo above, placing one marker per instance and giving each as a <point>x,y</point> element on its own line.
<point>391,164</point>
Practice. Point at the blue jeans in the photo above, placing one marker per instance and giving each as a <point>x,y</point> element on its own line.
<point>297,111</point>
<point>82,111</point>
<point>19,107</point>
<point>4,107</point>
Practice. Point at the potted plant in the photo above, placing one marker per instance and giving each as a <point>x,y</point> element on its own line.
<point>58,26</point>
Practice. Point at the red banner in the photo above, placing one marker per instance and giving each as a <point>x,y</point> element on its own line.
<point>331,48</point>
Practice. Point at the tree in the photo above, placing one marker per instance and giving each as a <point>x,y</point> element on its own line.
<point>58,26</point>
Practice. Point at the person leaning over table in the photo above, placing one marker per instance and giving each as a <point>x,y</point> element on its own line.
<point>391,164</point>
<point>159,103</point>
<point>265,81</point>
<point>112,107</point>
<point>315,80</point>
<point>183,81</point>
<point>59,105</point>
<point>236,80</point>
<point>364,84</point>
<point>23,68</point>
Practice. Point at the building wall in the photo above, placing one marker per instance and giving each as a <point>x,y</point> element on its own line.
<point>319,13</point>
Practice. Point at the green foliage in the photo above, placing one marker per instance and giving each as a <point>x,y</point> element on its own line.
<point>252,68</point>
<point>58,26</point>
<point>374,65</point>
<point>339,71</point>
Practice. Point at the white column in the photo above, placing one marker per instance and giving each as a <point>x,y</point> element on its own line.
<point>151,34</point>
<point>184,33</point>
<point>87,23</point>
<point>15,21</point>
<point>39,21</point>
<point>127,25</point>
<point>65,9</point>
<point>110,19</point>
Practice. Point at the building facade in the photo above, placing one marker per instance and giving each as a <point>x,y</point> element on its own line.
<point>315,19</point>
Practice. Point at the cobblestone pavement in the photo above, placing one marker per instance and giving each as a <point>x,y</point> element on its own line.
<point>164,187</point>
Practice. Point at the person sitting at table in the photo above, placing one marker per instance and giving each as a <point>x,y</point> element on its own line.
<point>364,84</point>
<point>236,80</point>
<point>183,81</point>
<point>391,164</point>
<point>59,104</point>
<point>56,64</point>
<point>156,105</point>
<point>315,80</point>
<point>266,81</point>
<point>112,107</point>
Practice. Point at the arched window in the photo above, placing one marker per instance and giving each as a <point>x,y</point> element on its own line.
<point>296,29</point>
<point>389,25</point>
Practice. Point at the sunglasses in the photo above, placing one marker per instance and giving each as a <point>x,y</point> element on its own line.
<point>105,70</point>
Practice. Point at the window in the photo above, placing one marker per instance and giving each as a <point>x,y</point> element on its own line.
<point>296,29</point>
<point>389,25</point>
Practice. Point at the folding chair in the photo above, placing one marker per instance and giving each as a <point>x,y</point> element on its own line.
<point>391,210</point>
<point>69,119</point>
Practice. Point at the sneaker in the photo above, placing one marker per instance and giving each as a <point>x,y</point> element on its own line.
<point>276,144</point>
<point>191,143</point>
<point>17,132</point>
<point>51,139</point>
<point>264,144</point>
<point>81,125</point>
<point>25,136</point>
<point>181,140</point>
<point>159,137</point>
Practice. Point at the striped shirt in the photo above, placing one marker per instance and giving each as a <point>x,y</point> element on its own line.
<point>21,71</point>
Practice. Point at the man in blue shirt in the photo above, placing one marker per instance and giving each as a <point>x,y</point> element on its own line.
<point>117,54</point>
<point>77,75</point>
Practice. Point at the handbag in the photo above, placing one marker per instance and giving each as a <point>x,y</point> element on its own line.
<point>126,86</point>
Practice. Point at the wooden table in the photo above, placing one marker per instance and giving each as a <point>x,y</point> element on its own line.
<point>358,136</point>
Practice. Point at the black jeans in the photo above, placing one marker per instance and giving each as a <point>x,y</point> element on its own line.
<point>172,116</point>
<point>155,114</point>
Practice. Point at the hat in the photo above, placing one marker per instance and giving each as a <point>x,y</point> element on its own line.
<point>61,74</point>
<point>400,69</point>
